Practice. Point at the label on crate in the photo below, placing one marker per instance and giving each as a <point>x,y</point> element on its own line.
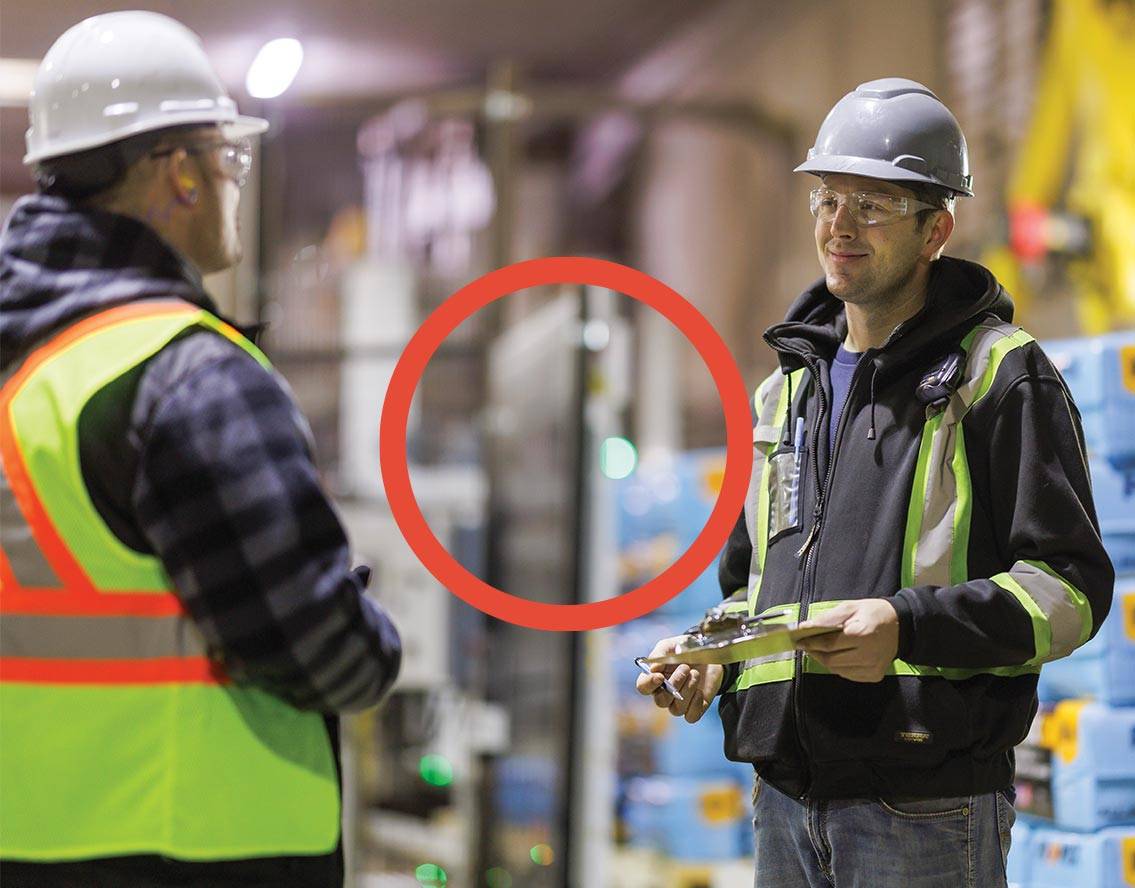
<point>721,805</point>
<point>1127,361</point>
<point>1129,615</point>
<point>1060,729</point>
<point>1129,860</point>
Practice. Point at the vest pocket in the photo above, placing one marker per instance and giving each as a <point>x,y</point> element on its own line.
<point>786,474</point>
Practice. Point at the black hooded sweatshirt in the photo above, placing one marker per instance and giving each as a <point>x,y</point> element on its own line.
<point>914,736</point>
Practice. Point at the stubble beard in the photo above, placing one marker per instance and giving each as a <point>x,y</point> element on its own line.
<point>873,289</point>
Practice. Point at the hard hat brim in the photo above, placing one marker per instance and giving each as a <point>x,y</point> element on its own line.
<point>872,169</point>
<point>243,127</point>
<point>234,128</point>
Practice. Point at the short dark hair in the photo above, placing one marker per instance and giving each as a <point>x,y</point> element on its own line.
<point>941,198</point>
<point>87,174</point>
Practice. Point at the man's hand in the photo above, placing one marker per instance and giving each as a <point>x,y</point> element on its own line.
<point>863,651</point>
<point>698,687</point>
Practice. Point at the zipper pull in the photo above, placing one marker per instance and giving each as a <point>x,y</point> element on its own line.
<point>819,511</point>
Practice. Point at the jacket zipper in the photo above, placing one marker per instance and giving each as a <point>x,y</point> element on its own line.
<point>808,547</point>
<point>806,550</point>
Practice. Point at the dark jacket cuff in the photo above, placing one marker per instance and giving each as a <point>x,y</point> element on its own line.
<point>906,626</point>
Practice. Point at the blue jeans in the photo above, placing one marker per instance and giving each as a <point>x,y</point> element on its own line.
<point>871,843</point>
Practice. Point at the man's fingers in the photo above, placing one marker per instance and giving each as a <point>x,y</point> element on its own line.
<point>835,641</point>
<point>837,616</point>
<point>648,684</point>
<point>686,689</point>
<point>698,705</point>
<point>653,683</point>
<point>847,666</point>
<point>847,659</point>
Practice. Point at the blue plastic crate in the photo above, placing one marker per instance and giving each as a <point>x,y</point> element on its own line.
<point>698,597</point>
<point>683,818</point>
<point>1104,668</point>
<point>1020,854</point>
<point>1114,495</point>
<point>1062,859</point>
<point>744,774</point>
<point>699,474</point>
<point>1100,371</point>
<point>1093,764</point>
<point>662,508</point>
<point>684,750</point>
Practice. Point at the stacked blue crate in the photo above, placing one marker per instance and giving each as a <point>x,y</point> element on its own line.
<point>1088,722</point>
<point>678,794</point>
<point>1018,872</point>
<point>1104,668</point>
<point>686,818</point>
<point>1093,764</point>
<point>1062,859</point>
<point>1114,494</point>
<point>1100,372</point>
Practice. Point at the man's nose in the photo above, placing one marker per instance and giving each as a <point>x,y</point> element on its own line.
<point>843,223</point>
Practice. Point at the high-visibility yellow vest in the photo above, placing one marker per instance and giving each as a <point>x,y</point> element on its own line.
<point>118,733</point>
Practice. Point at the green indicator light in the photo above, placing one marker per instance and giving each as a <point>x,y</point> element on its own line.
<point>430,875</point>
<point>617,458</point>
<point>542,855</point>
<point>498,878</point>
<point>436,770</point>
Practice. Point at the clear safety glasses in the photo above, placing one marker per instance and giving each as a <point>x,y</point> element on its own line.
<point>234,158</point>
<point>866,207</point>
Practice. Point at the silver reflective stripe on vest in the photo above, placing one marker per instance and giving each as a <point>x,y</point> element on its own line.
<point>936,544</point>
<point>765,434</point>
<point>772,667</point>
<point>26,558</point>
<point>771,403</point>
<point>55,637</point>
<point>1061,615</point>
<point>937,538</point>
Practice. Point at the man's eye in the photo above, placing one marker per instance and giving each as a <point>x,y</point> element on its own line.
<point>827,202</point>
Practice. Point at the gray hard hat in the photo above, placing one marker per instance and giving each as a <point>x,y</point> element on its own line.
<point>893,129</point>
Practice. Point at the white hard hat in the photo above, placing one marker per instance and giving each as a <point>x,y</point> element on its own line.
<point>117,75</point>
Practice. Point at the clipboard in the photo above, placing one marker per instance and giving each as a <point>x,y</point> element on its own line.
<point>773,640</point>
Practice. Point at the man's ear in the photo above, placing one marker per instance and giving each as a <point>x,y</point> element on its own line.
<point>937,234</point>
<point>182,184</point>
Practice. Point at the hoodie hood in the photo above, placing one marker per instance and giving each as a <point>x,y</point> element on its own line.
<point>60,262</point>
<point>960,293</point>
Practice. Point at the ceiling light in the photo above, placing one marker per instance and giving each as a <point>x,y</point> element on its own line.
<point>274,68</point>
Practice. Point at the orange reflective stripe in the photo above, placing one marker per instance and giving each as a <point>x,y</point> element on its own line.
<point>7,577</point>
<point>79,595</point>
<point>43,530</point>
<point>62,602</point>
<point>166,670</point>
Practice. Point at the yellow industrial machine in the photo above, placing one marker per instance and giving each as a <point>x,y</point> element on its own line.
<point>1072,192</point>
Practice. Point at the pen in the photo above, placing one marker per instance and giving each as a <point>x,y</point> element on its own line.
<point>640,662</point>
<point>799,438</point>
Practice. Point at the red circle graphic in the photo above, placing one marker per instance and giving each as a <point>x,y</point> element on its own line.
<point>396,475</point>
